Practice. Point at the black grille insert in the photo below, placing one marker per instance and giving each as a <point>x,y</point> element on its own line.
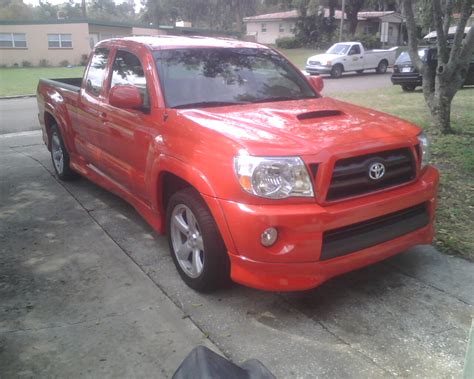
<point>351,175</point>
<point>351,238</point>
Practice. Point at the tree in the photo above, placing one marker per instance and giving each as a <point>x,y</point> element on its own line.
<point>441,82</point>
<point>353,7</point>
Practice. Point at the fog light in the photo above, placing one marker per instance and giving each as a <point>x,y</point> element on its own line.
<point>269,237</point>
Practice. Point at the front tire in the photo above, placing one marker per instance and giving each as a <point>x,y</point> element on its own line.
<point>336,71</point>
<point>60,156</point>
<point>196,245</point>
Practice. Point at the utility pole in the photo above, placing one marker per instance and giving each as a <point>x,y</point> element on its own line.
<point>342,19</point>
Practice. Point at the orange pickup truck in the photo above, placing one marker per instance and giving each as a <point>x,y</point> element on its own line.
<point>231,151</point>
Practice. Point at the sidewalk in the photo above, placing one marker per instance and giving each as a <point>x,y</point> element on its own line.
<point>72,302</point>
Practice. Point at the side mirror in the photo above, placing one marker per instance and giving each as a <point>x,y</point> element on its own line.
<point>126,97</point>
<point>317,83</point>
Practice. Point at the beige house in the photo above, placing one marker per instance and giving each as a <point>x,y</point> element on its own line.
<point>68,40</point>
<point>267,28</point>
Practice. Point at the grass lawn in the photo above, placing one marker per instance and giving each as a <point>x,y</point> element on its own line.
<point>23,81</point>
<point>299,56</point>
<point>452,154</point>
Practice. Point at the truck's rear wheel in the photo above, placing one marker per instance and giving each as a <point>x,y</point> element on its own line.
<point>408,88</point>
<point>196,245</point>
<point>336,71</point>
<point>60,156</point>
<point>382,67</point>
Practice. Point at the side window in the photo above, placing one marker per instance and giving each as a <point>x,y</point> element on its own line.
<point>127,69</point>
<point>95,75</point>
<point>355,50</point>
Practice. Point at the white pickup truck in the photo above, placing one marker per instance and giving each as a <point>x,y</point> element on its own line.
<point>350,56</point>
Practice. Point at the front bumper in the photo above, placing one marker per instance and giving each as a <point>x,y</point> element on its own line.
<point>294,262</point>
<point>318,69</point>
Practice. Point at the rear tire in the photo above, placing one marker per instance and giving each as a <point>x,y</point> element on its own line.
<point>196,245</point>
<point>408,88</point>
<point>60,156</point>
<point>336,71</point>
<point>382,67</point>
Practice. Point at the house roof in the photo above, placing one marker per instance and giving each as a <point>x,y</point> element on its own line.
<point>337,15</point>
<point>274,16</point>
<point>451,31</point>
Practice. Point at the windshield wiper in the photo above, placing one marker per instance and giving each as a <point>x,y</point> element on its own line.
<point>281,98</point>
<point>202,104</point>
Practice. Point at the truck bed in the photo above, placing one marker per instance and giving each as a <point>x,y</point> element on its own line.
<point>71,84</point>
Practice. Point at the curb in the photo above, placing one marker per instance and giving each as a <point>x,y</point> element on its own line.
<point>17,96</point>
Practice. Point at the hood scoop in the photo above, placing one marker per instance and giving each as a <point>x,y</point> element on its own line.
<point>319,114</point>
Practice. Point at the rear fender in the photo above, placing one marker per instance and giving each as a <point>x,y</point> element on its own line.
<point>55,106</point>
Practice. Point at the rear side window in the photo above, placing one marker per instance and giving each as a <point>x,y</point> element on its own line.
<point>95,74</point>
<point>127,69</point>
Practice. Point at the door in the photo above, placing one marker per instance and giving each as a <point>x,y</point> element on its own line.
<point>356,59</point>
<point>128,132</point>
<point>88,119</point>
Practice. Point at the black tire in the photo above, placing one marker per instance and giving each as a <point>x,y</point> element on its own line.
<point>360,71</point>
<point>336,71</point>
<point>408,88</point>
<point>215,262</point>
<point>382,67</point>
<point>61,166</point>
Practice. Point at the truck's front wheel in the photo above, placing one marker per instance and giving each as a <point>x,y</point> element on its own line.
<point>196,245</point>
<point>60,156</point>
<point>336,71</point>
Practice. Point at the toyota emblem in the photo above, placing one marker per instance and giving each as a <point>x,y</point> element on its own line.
<point>376,171</point>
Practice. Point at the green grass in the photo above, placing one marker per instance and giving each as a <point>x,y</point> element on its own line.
<point>23,81</point>
<point>452,154</point>
<point>299,56</point>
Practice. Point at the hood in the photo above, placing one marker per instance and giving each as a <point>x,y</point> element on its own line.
<point>323,58</point>
<point>301,126</point>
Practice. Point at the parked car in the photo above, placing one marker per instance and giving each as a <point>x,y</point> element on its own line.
<point>408,77</point>
<point>231,151</point>
<point>350,56</point>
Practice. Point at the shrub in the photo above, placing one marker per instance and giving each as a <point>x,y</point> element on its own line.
<point>288,43</point>
<point>3,65</point>
<point>43,63</point>
<point>26,64</point>
<point>370,41</point>
<point>15,65</point>
<point>84,59</point>
<point>64,63</point>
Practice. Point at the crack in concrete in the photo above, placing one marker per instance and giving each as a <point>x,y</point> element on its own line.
<point>89,213</point>
<point>70,324</point>
<point>339,338</point>
<point>426,284</point>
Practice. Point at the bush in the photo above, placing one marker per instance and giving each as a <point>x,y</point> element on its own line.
<point>43,63</point>
<point>64,63</point>
<point>84,59</point>
<point>288,43</point>
<point>26,64</point>
<point>15,65</point>
<point>369,41</point>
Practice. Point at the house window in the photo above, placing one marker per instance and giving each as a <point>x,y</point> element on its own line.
<point>281,28</point>
<point>366,29</point>
<point>264,28</point>
<point>13,40</point>
<point>59,41</point>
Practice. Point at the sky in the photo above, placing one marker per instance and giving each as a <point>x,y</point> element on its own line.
<point>55,2</point>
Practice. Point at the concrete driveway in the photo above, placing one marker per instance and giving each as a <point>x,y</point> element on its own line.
<point>87,289</point>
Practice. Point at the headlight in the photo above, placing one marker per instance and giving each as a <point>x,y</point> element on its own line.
<point>273,178</point>
<point>328,63</point>
<point>424,149</point>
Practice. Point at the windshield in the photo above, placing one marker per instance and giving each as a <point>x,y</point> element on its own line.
<point>404,57</point>
<point>224,76</point>
<point>338,48</point>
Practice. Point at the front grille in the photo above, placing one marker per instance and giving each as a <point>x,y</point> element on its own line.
<point>351,175</point>
<point>351,238</point>
<point>314,63</point>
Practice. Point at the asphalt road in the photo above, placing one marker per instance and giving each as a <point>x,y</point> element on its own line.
<point>20,114</point>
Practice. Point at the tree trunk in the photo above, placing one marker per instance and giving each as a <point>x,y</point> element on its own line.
<point>440,107</point>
